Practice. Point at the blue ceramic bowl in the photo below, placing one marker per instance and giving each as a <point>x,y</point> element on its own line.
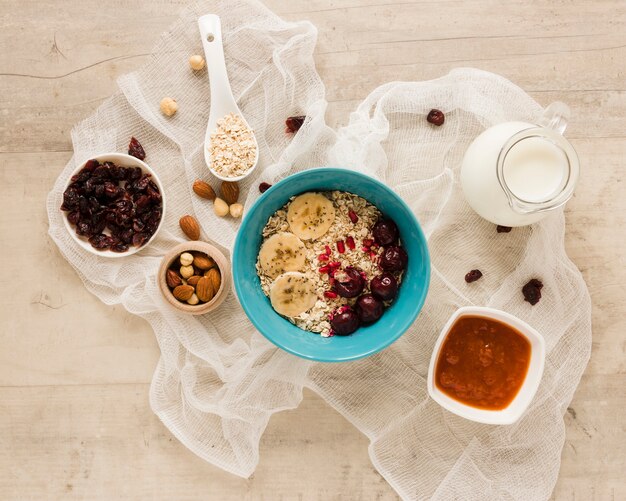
<point>366,340</point>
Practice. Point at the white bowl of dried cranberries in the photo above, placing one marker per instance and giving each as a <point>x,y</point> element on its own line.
<point>113,205</point>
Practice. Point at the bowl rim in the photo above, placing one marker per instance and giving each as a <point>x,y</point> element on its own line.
<point>121,157</point>
<point>222,265</point>
<point>516,408</point>
<point>244,300</point>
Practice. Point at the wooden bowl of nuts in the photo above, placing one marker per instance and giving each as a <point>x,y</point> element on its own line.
<point>194,277</point>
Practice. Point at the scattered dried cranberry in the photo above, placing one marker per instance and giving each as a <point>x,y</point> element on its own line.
<point>532,291</point>
<point>135,149</point>
<point>294,123</point>
<point>472,276</point>
<point>349,282</point>
<point>353,217</point>
<point>394,259</point>
<point>263,187</point>
<point>384,286</point>
<point>341,247</point>
<point>350,242</point>
<point>369,308</point>
<point>345,321</point>
<point>436,117</point>
<point>385,232</point>
<point>503,229</point>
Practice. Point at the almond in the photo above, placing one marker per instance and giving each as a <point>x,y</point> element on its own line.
<point>203,262</point>
<point>190,227</point>
<point>173,279</point>
<point>194,280</point>
<point>205,290</point>
<point>183,292</point>
<point>214,276</point>
<point>203,189</point>
<point>229,191</point>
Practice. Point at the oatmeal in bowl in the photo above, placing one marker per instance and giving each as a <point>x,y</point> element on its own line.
<point>331,298</point>
<point>324,262</point>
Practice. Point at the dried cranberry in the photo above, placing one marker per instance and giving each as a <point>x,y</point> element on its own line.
<point>294,123</point>
<point>394,259</point>
<point>134,173</point>
<point>127,235</point>
<point>503,229</point>
<point>142,203</point>
<point>70,199</point>
<point>142,183</point>
<point>349,282</point>
<point>90,166</point>
<point>102,171</point>
<point>436,117</point>
<point>384,286</point>
<point>135,149</point>
<point>532,291</point>
<point>263,187</point>
<point>385,232</point>
<point>83,229</point>
<point>369,308</point>
<point>345,321</point>
<point>472,276</point>
<point>119,247</point>
<point>73,217</point>
<point>99,241</point>
<point>139,239</point>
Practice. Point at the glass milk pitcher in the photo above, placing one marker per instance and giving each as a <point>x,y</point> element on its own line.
<point>515,173</point>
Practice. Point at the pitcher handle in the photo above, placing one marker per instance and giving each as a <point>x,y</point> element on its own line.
<point>555,117</point>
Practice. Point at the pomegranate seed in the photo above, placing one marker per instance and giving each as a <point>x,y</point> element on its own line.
<point>373,256</point>
<point>324,269</point>
<point>331,333</point>
<point>328,250</point>
<point>334,264</point>
<point>365,249</point>
<point>341,248</point>
<point>353,217</point>
<point>330,294</point>
<point>332,281</point>
<point>323,257</point>
<point>368,242</point>
<point>350,242</point>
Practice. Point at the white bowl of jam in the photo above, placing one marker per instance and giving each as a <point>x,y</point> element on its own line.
<point>486,365</point>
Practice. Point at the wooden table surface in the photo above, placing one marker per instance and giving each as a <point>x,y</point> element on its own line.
<point>75,422</point>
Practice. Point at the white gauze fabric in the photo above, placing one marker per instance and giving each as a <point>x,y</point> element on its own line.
<point>218,381</point>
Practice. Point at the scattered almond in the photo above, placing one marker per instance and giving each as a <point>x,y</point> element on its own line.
<point>236,210</point>
<point>173,279</point>
<point>220,207</point>
<point>229,191</point>
<point>190,227</point>
<point>203,189</point>
<point>205,290</point>
<point>183,292</point>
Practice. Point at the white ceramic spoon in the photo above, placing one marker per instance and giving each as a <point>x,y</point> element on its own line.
<point>222,100</point>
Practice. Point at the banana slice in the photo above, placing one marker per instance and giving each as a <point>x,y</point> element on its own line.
<point>280,253</point>
<point>310,215</point>
<point>292,293</point>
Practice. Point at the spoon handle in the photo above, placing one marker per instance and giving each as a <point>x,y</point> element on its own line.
<point>211,35</point>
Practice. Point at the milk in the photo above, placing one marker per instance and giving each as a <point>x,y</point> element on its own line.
<point>535,170</point>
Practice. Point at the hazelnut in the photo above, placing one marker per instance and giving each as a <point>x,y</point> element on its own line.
<point>186,259</point>
<point>193,300</point>
<point>186,271</point>
<point>168,106</point>
<point>220,207</point>
<point>196,62</point>
<point>236,210</point>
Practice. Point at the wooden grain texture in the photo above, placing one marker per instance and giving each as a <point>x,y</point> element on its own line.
<point>74,416</point>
